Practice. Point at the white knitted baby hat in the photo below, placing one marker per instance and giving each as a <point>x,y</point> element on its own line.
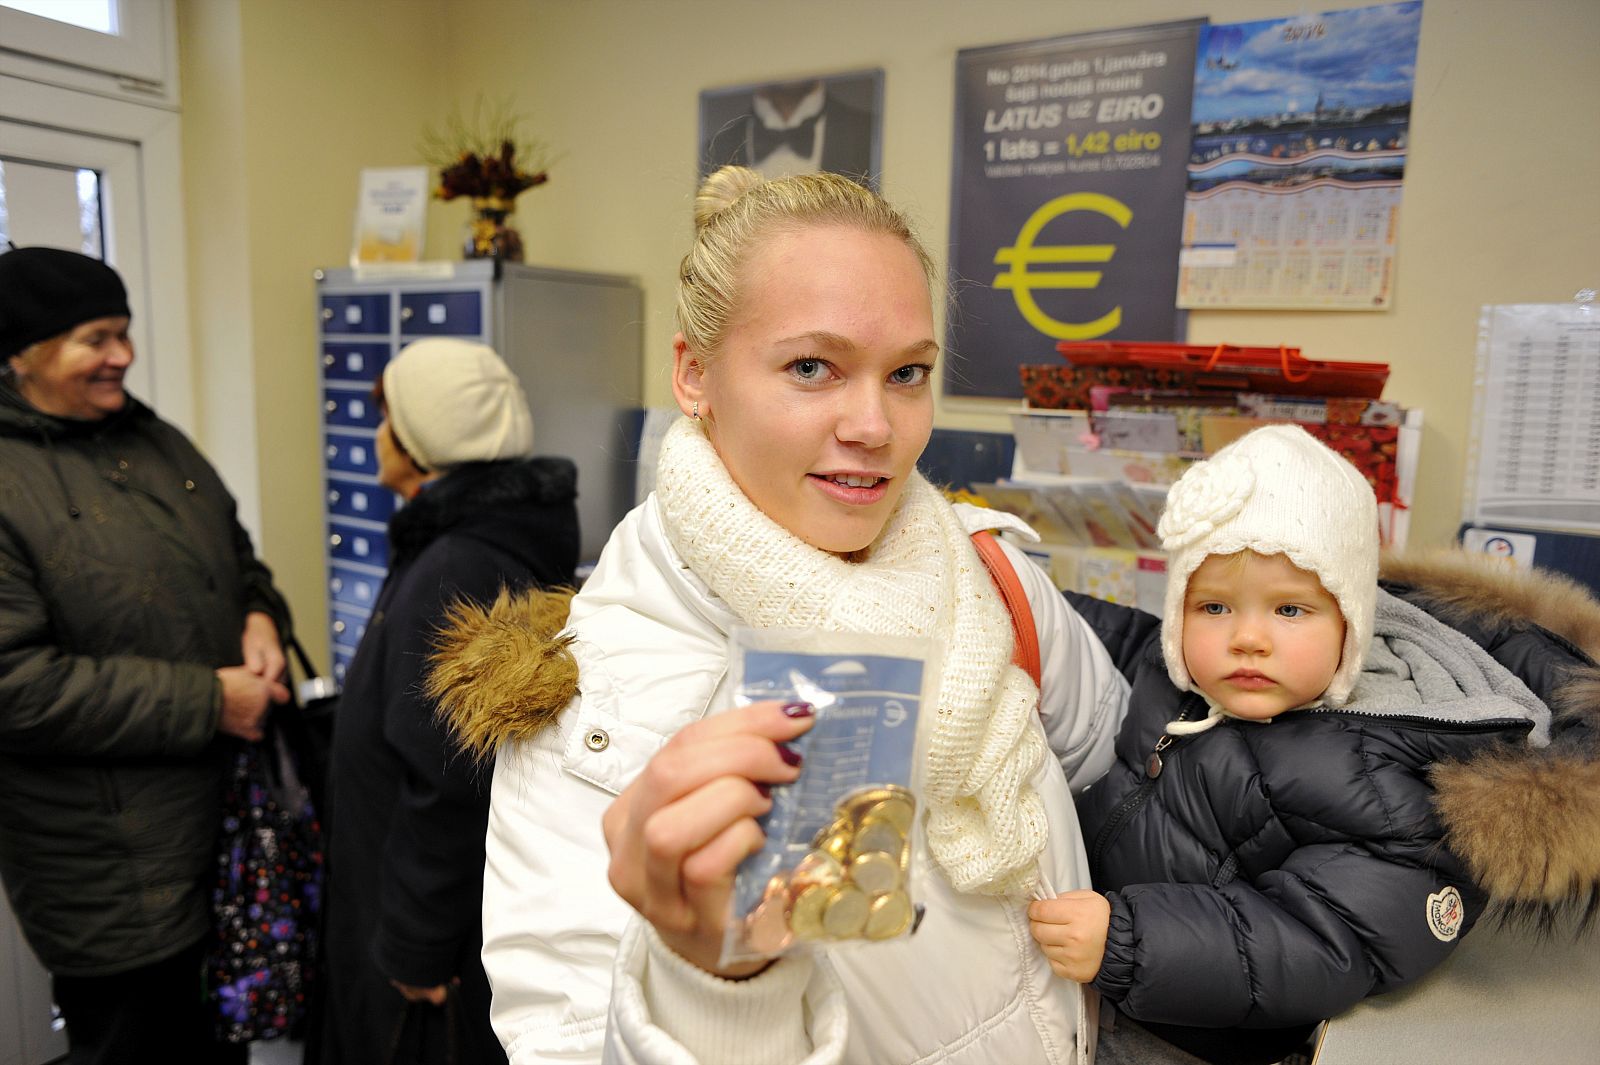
<point>452,401</point>
<point>1275,491</point>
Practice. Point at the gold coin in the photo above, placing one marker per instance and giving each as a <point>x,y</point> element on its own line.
<point>899,810</point>
<point>805,916</point>
<point>846,913</point>
<point>889,916</point>
<point>875,872</point>
<point>878,835</point>
<point>766,929</point>
<point>839,826</point>
<point>816,869</point>
<point>859,804</point>
<point>835,845</point>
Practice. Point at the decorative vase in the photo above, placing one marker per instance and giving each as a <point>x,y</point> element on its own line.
<point>489,235</point>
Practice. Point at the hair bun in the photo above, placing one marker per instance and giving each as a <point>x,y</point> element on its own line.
<point>721,189</point>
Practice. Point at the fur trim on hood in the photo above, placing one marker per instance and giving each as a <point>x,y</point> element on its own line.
<point>503,672</point>
<point>1467,584</point>
<point>1526,822</point>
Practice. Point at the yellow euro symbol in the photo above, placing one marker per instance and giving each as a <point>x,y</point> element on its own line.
<point>1023,254</point>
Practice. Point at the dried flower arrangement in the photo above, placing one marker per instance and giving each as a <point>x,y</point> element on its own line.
<point>485,157</point>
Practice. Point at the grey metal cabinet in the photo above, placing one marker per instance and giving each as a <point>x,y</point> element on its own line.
<point>572,338</point>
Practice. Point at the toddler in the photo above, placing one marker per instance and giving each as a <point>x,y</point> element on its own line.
<point>1267,843</point>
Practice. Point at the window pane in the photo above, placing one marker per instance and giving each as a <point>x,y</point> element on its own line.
<point>58,206</point>
<point>89,213</point>
<point>99,15</point>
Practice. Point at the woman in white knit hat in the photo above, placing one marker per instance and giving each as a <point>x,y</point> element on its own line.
<point>407,815</point>
<point>1268,844</point>
<point>787,496</point>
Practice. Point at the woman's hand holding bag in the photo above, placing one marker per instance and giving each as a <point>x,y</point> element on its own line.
<point>679,831</point>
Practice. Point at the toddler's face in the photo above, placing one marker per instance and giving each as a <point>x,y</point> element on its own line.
<point>1260,636</point>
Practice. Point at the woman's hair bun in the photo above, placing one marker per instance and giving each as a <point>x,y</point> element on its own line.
<point>721,189</point>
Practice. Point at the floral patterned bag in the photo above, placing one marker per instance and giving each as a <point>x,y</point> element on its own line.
<point>266,897</point>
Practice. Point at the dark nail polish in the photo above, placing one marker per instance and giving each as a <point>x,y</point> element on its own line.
<point>789,754</point>
<point>764,789</point>
<point>798,710</point>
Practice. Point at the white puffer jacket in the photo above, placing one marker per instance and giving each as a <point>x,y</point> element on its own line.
<point>969,986</point>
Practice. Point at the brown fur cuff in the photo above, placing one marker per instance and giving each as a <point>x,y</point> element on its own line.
<point>503,672</point>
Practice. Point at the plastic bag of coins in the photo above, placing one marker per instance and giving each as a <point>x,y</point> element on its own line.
<point>836,866</point>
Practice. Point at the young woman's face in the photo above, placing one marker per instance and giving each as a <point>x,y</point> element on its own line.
<point>821,400</point>
<point>1260,636</point>
<point>78,375</point>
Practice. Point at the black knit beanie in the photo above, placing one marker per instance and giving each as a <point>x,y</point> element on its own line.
<point>44,292</point>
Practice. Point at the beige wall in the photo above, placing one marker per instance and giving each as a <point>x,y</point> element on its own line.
<point>284,101</point>
<point>1499,203</point>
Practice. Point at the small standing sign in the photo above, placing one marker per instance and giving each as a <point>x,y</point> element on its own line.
<point>390,212</point>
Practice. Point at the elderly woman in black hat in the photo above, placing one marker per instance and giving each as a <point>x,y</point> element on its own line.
<point>136,626</point>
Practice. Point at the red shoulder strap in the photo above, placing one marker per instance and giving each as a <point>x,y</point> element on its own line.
<point>1009,585</point>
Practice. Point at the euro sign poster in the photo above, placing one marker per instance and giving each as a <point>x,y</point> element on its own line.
<point>1066,197</point>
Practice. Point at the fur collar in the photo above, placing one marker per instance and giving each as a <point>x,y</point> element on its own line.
<point>1527,823</point>
<point>1466,584</point>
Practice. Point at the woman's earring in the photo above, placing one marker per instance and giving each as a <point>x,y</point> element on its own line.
<point>695,411</point>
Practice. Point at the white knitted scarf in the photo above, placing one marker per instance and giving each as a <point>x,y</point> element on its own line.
<point>921,577</point>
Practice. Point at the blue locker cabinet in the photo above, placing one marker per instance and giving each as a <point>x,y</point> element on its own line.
<point>572,338</point>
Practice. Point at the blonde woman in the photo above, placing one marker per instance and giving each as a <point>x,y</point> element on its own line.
<point>786,497</point>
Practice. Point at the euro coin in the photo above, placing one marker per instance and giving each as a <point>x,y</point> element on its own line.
<point>836,845</point>
<point>816,869</point>
<point>839,826</point>
<point>875,872</point>
<point>846,913</point>
<point>878,835</point>
<point>805,916</point>
<point>896,801</point>
<point>898,809</point>
<point>767,927</point>
<point>889,916</point>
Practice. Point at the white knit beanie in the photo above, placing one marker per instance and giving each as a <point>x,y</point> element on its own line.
<point>453,401</point>
<point>1276,491</point>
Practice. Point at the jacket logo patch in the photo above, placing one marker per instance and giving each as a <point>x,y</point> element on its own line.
<point>1446,912</point>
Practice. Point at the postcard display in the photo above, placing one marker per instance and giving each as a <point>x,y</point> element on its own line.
<point>1111,425</point>
<point>572,338</point>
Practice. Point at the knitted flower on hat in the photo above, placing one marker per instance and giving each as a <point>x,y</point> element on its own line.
<point>1205,499</point>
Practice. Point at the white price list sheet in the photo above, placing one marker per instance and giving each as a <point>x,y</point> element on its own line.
<point>1538,417</point>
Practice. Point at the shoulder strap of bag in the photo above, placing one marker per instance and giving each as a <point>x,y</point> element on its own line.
<point>300,656</point>
<point>1009,586</point>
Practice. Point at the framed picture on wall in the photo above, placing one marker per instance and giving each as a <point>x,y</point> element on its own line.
<point>803,125</point>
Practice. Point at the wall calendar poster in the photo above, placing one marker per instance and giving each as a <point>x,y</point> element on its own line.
<point>1297,160</point>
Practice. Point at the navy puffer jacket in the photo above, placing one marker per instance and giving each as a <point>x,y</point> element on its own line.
<point>1271,876</point>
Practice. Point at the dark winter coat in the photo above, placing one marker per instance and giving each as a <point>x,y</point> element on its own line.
<point>407,811</point>
<point>124,581</point>
<point>1271,875</point>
